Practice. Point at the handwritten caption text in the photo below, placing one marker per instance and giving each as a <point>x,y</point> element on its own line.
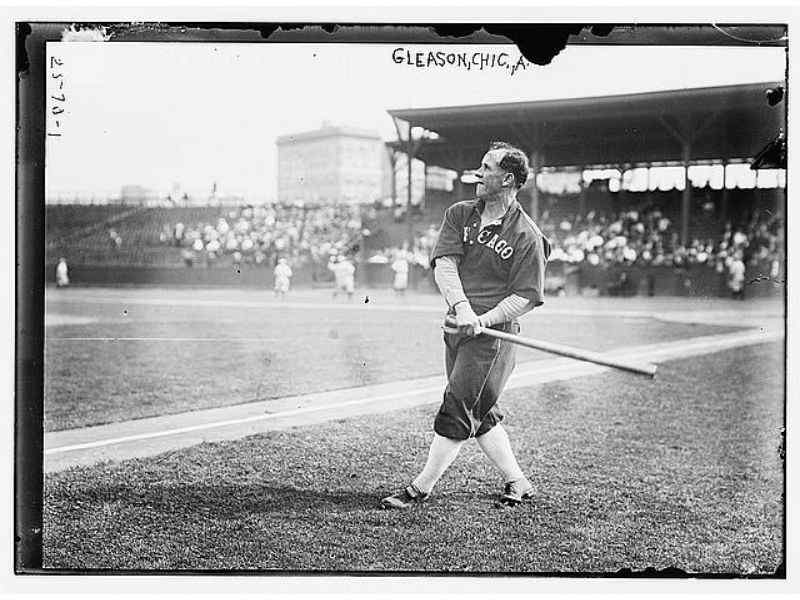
<point>57,99</point>
<point>460,60</point>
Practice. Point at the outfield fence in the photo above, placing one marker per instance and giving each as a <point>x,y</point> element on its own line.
<point>694,280</point>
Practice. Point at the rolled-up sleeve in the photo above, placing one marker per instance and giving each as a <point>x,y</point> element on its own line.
<point>526,277</point>
<point>450,242</point>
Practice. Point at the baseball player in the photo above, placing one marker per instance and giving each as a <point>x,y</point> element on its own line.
<point>283,276</point>
<point>62,273</point>
<point>736,272</point>
<point>489,265</point>
<point>343,272</point>
<point>400,268</point>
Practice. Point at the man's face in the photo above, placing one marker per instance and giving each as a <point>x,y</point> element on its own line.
<point>490,176</point>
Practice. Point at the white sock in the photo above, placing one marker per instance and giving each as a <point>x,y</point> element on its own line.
<point>496,445</point>
<point>442,453</point>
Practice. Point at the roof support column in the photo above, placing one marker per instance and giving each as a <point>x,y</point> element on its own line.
<point>724,202</point>
<point>535,165</point>
<point>686,200</point>
<point>685,132</point>
<point>393,165</point>
<point>459,183</point>
<point>424,186</point>
<point>410,223</point>
<point>622,196</point>
<point>582,196</point>
<point>412,146</point>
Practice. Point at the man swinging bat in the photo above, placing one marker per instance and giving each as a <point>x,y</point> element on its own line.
<point>489,265</point>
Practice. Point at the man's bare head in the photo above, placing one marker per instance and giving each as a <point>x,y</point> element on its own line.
<point>503,168</point>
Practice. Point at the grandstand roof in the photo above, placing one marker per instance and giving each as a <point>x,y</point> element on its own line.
<point>733,121</point>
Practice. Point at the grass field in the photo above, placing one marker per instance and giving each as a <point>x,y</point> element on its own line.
<point>118,361</point>
<point>684,471</point>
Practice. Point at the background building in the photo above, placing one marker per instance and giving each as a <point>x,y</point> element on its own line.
<point>332,164</point>
<point>137,195</point>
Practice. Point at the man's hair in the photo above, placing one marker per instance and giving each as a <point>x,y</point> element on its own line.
<point>514,161</point>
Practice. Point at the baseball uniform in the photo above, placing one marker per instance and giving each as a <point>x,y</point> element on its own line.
<point>507,256</point>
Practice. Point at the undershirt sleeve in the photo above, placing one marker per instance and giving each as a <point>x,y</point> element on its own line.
<point>445,273</point>
<point>507,309</point>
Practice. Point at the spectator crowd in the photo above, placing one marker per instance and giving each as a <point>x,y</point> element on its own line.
<point>649,238</point>
<point>633,237</point>
<point>263,234</point>
<point>418,255</point>
<point>316,234</point>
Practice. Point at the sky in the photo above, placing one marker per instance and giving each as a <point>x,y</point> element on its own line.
<point>193,114</point>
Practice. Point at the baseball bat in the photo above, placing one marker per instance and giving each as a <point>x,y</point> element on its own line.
<point>577,353</point>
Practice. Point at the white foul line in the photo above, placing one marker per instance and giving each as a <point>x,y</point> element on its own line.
<point>264,417</point>
<point>556,369</point>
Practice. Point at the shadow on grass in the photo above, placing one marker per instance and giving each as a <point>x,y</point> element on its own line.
<point>214,501</point>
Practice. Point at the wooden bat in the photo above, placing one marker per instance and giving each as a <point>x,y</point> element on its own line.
<point>577,353</point>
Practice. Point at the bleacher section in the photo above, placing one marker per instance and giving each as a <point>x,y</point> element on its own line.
<point>83,233</point>
<point>64,221</point>
<point>125,237</point>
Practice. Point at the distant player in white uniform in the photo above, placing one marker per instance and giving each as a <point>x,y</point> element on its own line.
<point>343,272</point>
<point>736,276</point>
<point>62,273</point>
<point>400,268</point>
<point>283,277</point>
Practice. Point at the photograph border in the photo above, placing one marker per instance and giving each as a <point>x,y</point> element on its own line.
<point>31,40</point>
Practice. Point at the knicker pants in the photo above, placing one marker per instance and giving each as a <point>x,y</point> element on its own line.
<point>477,371</point>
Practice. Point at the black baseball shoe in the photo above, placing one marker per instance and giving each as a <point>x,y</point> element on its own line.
<point>405,498</point>
<point>514,493</point>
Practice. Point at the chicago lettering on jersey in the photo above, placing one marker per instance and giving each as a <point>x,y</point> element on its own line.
<point>496,243</point>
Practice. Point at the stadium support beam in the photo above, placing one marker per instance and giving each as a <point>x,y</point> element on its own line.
<point>724,208</point>
<point>460,192</point>
<point>393,164</point>
<point>535,165</point>
<point>682,133</point>
<point>686,132</point>
<point>686,199</point>
<point>412,146</point>
<point>622,196</point>
<point>582,196</point>
<point>424,187</point>
<point>534,136</point>
<point>459,183</point>
<point>410,154</point>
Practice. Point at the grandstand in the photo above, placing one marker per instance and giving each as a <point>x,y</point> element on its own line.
<point>81,233</point>
<point>688,253</point>
<point>675,127</point>
<point>148,242</point>
<point>722,125</point>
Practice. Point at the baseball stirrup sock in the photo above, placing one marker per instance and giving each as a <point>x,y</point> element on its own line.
<point>442,453</point>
